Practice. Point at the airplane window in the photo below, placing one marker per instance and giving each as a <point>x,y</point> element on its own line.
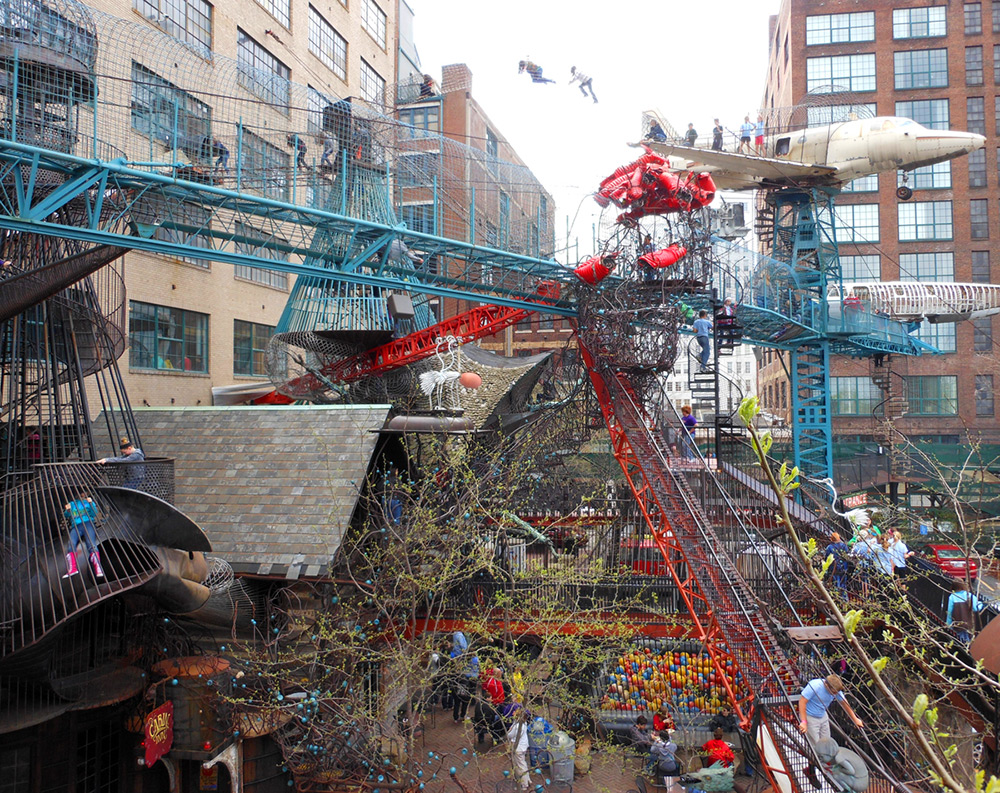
<point>888,124</point>
<point>782,146</point>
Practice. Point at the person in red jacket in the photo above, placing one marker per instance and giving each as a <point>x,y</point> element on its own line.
<point>496,696</point>
<point>663,720</point>
<point>717,750</point>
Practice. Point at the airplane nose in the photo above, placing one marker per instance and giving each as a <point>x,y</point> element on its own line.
<point>947,145</point>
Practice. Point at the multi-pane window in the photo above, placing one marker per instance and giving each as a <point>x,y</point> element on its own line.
<point>984,395</point>
<point>416,168</point>
<point>977,168</point>
<point>372,84</point>
<point>279,9</point>
<point>161,337</point>
<point>250,348</point>
<point>492,151</point>
<point>996,113</point>
<point>973,16</point>
<point>373,20</point>
<point>979,219</point>
<point>254,242</point>
<point>932,395</point>
<point>857,223</point>
<point>921,68</point>
<point>927,266</point>
<point>261,73</point>
<point>840,28</point>
<point>195,220</point>
<point>426,118</point>
<point>160,108</point>
<point>975,115</point>
<point>854,396</point>
<point>833,114</point>
<point>982,334</point>
<point>316,103</point>
<point>927,177</point>
<point>327,44</point>
<point>939,335</point>
<point>995,14</point>
<point>264,167</point>
<point>919,23</point>
<point>932,113</point>
<point>418,217</point>
<point>981,267</point>
<point>866,184</point>
<point>187,20</point>
<point>842,73</point>
<point>15,770</point>
<point>996,64</point>
<point>861,268</point>
<point>925,220</point>
<point>973,66</point>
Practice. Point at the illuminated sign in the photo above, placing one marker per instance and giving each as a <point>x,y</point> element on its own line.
<point>159,729</point>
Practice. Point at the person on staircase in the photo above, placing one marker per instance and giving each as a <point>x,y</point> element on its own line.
<point>81,513</point>
<point>703,333</point>
<point>688,444</point>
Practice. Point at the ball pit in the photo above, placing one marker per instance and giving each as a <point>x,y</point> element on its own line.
<point>678,674</point>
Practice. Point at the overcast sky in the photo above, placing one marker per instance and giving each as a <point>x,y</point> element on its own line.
<point>691,61</point>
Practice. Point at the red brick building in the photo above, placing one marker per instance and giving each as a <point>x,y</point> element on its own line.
<point>940,65</point>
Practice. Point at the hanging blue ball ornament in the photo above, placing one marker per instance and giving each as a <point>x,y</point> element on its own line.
<point>453,770</point>
<point>173,682</point>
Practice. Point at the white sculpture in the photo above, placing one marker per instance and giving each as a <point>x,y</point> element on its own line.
<point>435,384</point>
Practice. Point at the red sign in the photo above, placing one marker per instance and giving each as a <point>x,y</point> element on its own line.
<point>159,729</point>
<point>855,501</point>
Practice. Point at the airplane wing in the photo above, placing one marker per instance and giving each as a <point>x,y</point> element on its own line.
<point>740,171</point>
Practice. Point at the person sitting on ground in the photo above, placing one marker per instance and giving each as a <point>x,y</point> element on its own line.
<point>656,133</point>
<point>717,750</point>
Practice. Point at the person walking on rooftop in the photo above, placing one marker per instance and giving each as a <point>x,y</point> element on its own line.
<point>586,84</point>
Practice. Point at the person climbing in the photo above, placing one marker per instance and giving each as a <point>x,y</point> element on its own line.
<point>299,145</point>
<point>586,84</point>
<point>690,422</point>
<point>703,333</point>
<point>814,721</point>
<point>691,136</point>
<point>717,131</point>
<point>534,70</point>
<point>81,513</point>
<point>746,135</point>
<point>329,148</point>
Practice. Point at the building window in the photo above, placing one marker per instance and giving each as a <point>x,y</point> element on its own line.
<point>927,177</point>
<point>253,242</point>
<point>261,73</point>
<point>418,217</point>
<point>157,106</point>
<point>99,760</point>
<point>426,119</point>
<point>975,115</point>
<point>417,168</point>
<point>982,334</point>
<point>833,114</point>
<point>857,223</point>
<point>939,335</point>
<point>196,220</point>
<point>921,68</point>
<point>372,84</point>
<point>315,104</point>
<point>973,14</point>
<point>840,28</point>
<point>927,266</point>
<point>932,113</point>
<point>842,73</point>
<point>855,269</point>
<point>15,770</point>
<point>932,395</point>
<point>919,23</point>
<point>250,348</point>
<point>279,9</point>
<point>327,44</point>
<point>187,20</point>
<point>996,113</point>
<point>984,395</point>
<point>981,267</point>
<point>854,396</point>
<point>925,220</point>
<point>979,219</point>
<point>161,337</point>
<point>977,168</point>
<point>973,66</point>
<point>996,64</point>
<point>264,167</point>
<point>995,12</point>
<point>373,20</point>
<point>866,184</point>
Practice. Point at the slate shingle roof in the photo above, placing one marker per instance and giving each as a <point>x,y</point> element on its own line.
<point>274,488</point>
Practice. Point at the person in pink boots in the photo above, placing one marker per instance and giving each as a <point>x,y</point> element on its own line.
<point>81,514</point>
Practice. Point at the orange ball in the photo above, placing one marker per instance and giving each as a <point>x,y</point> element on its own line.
<point>470,380</point>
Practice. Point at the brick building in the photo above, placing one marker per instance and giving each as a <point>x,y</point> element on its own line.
<point>940,65</point>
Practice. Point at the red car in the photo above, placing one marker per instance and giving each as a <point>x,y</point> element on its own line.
<point>952,560</point>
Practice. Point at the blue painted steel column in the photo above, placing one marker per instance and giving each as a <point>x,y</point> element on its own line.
<point>812,428</point>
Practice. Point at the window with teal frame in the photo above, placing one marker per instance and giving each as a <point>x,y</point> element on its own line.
<point>264,167</point>
<point>165,338</point>
<point>854,396</point>
<point>158,105</point>
<point>932,395</point>
<point>250,348</point>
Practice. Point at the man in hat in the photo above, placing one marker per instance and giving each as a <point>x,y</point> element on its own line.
<point>817,696</point>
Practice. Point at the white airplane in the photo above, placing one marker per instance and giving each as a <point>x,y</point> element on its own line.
<point>827,156</point>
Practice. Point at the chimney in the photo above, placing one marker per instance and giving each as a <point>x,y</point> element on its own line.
<point>455,77</point>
